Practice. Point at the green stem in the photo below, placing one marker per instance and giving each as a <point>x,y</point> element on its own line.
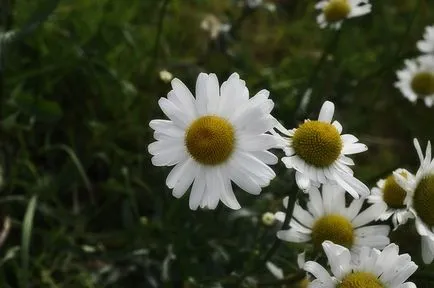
<point>328,49</point>
<point>276,244</point>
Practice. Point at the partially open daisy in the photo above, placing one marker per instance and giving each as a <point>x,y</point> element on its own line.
<point>213,139</point>
<point>334,12</point>
<point>416,80</point>
<point>369,269</point>
<point>317,151</point>
<point>328,218</point>
<point>426,45</point>
<point>420,199</point>
<point>392,195</point>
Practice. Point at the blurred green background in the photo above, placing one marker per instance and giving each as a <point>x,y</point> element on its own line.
<point>80,81</point>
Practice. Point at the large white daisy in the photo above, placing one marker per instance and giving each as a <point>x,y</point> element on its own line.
<point>213,139</point>
<point>426,45</point>
<point>416,80</point>
<point>317,151</point>
<point>328,218</point>
<point>392,195</point>
<point>370,268</point>
<point>334,12</point>
<point>420,199</point>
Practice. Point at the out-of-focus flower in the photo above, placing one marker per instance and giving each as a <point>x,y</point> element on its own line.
<point>214,138</point>
<point>214,26</point>
<point>426,45</point>
<point>317,151</point>
<point>416,80</point>
<point>420,199</point>
<point>268,218</point>
<point>328,218</point>
<point>392,195</point>
<point>334,12</point>
<point>253,3</point>
<point>166,76</point>
<point>371,268</point>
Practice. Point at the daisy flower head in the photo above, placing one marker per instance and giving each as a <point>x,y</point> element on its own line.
<point>426,45</point>
<point>213,139</point>
<point>334,12</point>
<point>369,269</point>
<point>420,199</point>
<point>317,151</point>
<point>416,80</point>
<point>328,218</point>
<point>392,195</point>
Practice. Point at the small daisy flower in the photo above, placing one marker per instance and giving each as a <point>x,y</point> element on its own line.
<point>334,12</point>
<point>166,76</point>
<point>328,218</point>
<point>416,80</point>
<point>317,151</point>
<point>420,199</point>
<point>268,219</point>
<point>371,268</point>
<point>214,26</point>
<point>252,4</point>
<point>427,44</point>
<point>213,139</point>
<point>393,196</point>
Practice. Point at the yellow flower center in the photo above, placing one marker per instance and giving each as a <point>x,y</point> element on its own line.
<point>336,10</point>
<point>303,283</point>
<point>318,143</point>
<point>423,199</point>
<point>423,83</point>
<point>360,280</point>
<point>335,228</point>
<point>210,140</point>
<point>393,194</point>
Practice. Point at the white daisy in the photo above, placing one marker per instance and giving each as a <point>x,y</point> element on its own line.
<point>252,4</point>
<point>427,44</point>
<point>334,12</point>
<point>317,151</point>
<point>420,199</point>
<point>328,218</point>
<point>416,80</point>
<point>213,139</point>
<point>392,195</point>
<point>371,268</point>
<point>214,26</point>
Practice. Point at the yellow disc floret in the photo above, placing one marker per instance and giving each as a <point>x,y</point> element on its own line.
<point>423,200</point>
<point>360,280</point>
<point>336,10</point>
<point>423,83</point>
<point>335,228</point>
<point>393,194</point>
<point>318,143</point>
<point>210,140</point>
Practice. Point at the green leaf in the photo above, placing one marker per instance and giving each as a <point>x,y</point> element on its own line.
<point>26,239</point>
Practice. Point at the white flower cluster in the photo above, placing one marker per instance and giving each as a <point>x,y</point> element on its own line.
<point>220,136</point>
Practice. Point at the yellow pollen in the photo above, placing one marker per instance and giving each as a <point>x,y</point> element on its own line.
<point>303,283</point>
<point>210,140</point>
<point>423,199</point>
<point>318,143</point>
<point>335,228</point>
<point>423,83</point>
<point>336,10</point>
<point>393,194</point>
<point>360,280</point>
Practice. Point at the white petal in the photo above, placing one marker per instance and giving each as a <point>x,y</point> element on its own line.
<point>354,148</point>
<point>339,258</point>
<point>227,195</point>
<point>266,157</point>
<point>427,250</point>
<point>303,182</point>
<point>327,111</point>
<point>318,272</point>
<point>368,215</point>
<point>292,235</point>
<point>197,191</point>
<point>190,172</point>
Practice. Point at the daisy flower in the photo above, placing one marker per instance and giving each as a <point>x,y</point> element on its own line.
<point>420,199</point>
<point>213,139</point>
<point>427,44</point>
<point>328,218</point>
<point>317,151</point>
<point>252,4</point>
<point>371,268</point>
<point>416,80</point>
<point>334,12</point>
<point>392,195</point>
